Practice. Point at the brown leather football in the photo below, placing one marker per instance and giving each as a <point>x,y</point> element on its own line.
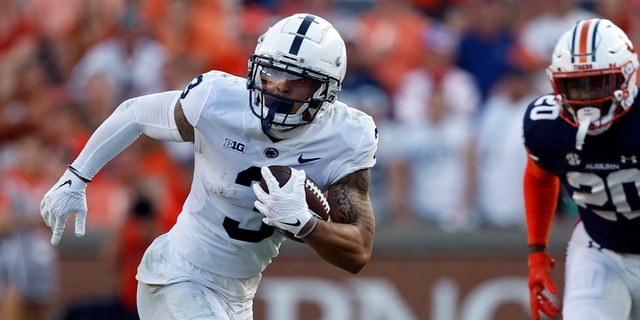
<point>316,200</point>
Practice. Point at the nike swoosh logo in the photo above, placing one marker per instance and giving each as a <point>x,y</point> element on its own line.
<point>305,160</point>
<point>297,223</point>
<point>64,183</point>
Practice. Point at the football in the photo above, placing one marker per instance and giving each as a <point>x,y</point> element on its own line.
<point>316,200</point>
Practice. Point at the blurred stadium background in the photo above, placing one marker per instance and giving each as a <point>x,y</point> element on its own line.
<point>417,272</point>
<point>65,65</point>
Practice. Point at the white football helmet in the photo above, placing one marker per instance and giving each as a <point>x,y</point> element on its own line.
<point>299,46</point>
<point>593,75</point>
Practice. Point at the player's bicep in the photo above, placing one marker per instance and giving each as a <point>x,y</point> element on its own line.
<point>184,127</point>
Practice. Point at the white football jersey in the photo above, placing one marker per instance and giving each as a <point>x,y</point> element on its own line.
<point>219,230</point>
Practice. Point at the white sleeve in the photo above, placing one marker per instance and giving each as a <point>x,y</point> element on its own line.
<point>151,115</point>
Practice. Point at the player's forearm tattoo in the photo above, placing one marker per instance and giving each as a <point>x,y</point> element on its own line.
<point>345,208</point>
<point>350,202</point>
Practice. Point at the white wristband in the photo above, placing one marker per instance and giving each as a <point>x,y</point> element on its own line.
<point>313,227</point>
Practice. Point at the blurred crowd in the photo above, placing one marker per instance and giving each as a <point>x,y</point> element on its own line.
<point>446,81</point>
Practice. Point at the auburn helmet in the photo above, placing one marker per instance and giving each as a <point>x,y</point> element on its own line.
<point>593,74</point>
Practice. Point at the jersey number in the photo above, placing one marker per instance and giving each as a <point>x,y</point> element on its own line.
<point>621,187</point>
<point>245,178</point>
<point>196,81</point>
<point>544,109</point>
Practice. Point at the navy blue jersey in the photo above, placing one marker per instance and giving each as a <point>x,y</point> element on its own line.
<point>603,178</point>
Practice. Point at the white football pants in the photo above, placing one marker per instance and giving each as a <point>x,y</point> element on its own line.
<point>600,283</point>
<point>188,300</point>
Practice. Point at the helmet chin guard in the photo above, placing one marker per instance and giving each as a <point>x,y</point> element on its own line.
<point>299,47</point>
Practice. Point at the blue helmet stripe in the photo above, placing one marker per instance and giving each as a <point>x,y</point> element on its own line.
<point>593,40</point>
<point>573,43</point>
<point>302,30</point>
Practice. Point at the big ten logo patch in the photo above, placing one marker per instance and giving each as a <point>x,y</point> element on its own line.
<point>234,145</point>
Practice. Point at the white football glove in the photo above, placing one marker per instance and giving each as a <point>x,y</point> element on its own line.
<point>65,197</point>
<point>285,208</point>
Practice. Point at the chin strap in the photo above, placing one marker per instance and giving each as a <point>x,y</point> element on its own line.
<point>585,116</point>
<point>582,132</point>
<point>266,121</point>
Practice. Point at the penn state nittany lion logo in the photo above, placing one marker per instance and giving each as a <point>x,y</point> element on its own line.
<point>271,152</point>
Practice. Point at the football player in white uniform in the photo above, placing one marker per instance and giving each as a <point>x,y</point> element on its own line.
<point>585,137</point>
<point>286,113</point>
